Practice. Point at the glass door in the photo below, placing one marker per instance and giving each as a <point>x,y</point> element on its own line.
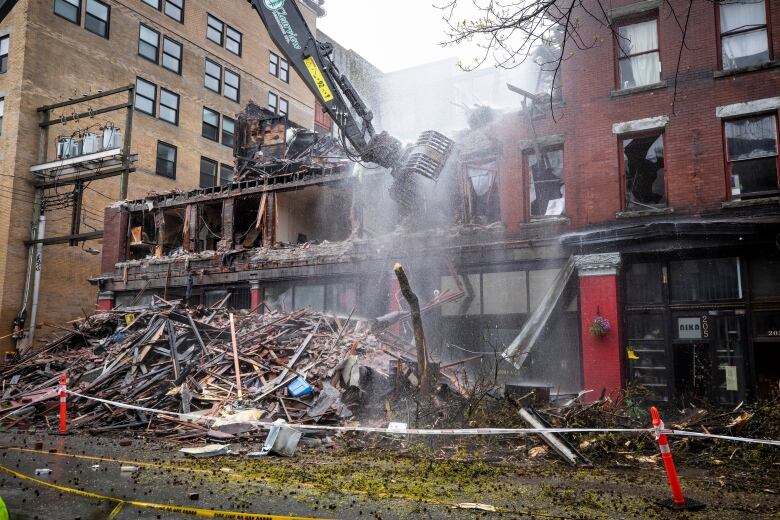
<point>728,346</point>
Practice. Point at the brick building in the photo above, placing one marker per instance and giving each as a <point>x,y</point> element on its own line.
<point>649,199</point>
<point>194,64</point>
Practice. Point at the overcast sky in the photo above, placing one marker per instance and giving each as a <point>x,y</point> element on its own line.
<point>392,35</point>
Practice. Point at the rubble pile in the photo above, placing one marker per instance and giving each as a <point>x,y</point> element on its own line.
<point>303,367</point>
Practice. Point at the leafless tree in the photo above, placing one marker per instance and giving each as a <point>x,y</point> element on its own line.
<point>509,32</point>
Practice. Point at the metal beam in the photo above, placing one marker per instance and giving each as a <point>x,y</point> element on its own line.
<point>85,98</point>
<point>92,235</point>
<point>82,115</point>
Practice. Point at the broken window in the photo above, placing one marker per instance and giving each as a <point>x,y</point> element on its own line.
<point>315,213</point>
<point>208,173</point>
<point>483,205</point>
<point>172,227</point>
<point>638,55</point>
<point>546,193</point>
<point>751,146</point>
<point>143,235</point>
<point>643,167</point>
<point>209,226</point>
<point>743,33</point>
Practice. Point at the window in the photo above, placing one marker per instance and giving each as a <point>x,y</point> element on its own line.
<point>215,30</point>
<point>751,147</point>
<point>232,87</point>
<point>284,70</point>
<point>643,170</point>
<point>546,195</point>
<point>169,106</point>
<point>644,284</point>
<point>744,37</point>
<point>279,68</point>
<point>175,9</point>
<point>171,56</point>
<point>284,106</point>
<point>228,131</point>
<point>705,279</point>
<point>153,3</point>
<point>2,113</point>
<point>233,41</point>
<point>97,19</point>
<point>273,102</point>
<point>4,44</point>
<point>68,9</point>
<point>166,160</point>
<point>225,174</point>
<point>638,57</point>
<point>482,192</point>
<point>213,78</point>
<point>210,124</point>
<point>208,173</point>
<point>148,43</point>
<point>145,96</point>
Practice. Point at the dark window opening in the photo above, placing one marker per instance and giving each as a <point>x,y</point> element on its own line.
<point>171,57</point>
<point>210,124</point>
<point>707,279</point>
<point>208,173</point>
<point>751,145</point>
<point>545,184</point>
<point>643,166</point>
<point>68,9</point>
<point>148,43</point>
<point>638,55</point>
<point>765,278</point>
<point>209,226</point>
<point>2,113</point>
<point>166,160</point>
<point>98,18</point>
<point>644,284</point>
<point>314,213</point>
<point>482,203</point>
<point>248,231</point>
<point>143,235</point>
<point>145,96</point>
<point>744,36</point>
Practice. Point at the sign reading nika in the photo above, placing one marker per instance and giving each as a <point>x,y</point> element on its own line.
<point>689,328</point>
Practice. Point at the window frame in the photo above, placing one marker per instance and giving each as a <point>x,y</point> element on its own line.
<point>720,35</point>
<point>2,113</point>
<point>222,131</point>
<point>286,102</point>
<point>204,124</point>
<point>180,59</point>
<point>159,2</point>
<point>209,18</point>
<point>222,166</point>
<point>226,85</point>
<point>284,70</point>
<point>655,132</point>
<point>207,75</point>
<point>141,27</point>
<point>240,40</point>
<point>176,110</point>
<point>157,159</point>
<point>275,105</point>
<point>528,177</point>
<point>107,20</point>
<point>165,10</point>
<point>215,177</point>
<point>633,20</point>
<point>5,58</point>
<point>78,11</point>
<point>154,100</point>
<point>728,162</point>
<point>271,63</point>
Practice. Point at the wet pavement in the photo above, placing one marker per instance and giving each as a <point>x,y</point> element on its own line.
<point>348,483</point>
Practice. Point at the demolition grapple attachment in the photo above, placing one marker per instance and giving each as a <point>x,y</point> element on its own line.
<point>429,155</point>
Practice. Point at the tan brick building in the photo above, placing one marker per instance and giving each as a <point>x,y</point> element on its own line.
<point>184,56</point>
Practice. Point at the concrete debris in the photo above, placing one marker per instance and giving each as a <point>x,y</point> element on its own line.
<point>210,450</point>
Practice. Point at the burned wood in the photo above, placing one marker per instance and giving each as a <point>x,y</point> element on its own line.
<point>417,325</point>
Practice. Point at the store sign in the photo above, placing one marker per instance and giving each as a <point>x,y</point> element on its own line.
<point>689,328</point>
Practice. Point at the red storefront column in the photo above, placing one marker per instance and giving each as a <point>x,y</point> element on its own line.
<point>256,294</point>
<point>105,301</point>
<point>601,355</point>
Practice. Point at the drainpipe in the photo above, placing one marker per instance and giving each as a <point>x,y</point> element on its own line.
<point>37,278</point>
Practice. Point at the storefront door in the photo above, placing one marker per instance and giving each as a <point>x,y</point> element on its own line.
<point>709,359</point>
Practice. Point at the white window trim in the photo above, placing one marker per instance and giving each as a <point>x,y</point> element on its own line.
<point>748,108</point>
<point>640,125</point>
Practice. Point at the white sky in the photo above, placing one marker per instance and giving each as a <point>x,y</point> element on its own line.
<point>391,34</point>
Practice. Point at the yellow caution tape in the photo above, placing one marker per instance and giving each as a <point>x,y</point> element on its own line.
<point>319,79</point>
<point>205,513</point>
